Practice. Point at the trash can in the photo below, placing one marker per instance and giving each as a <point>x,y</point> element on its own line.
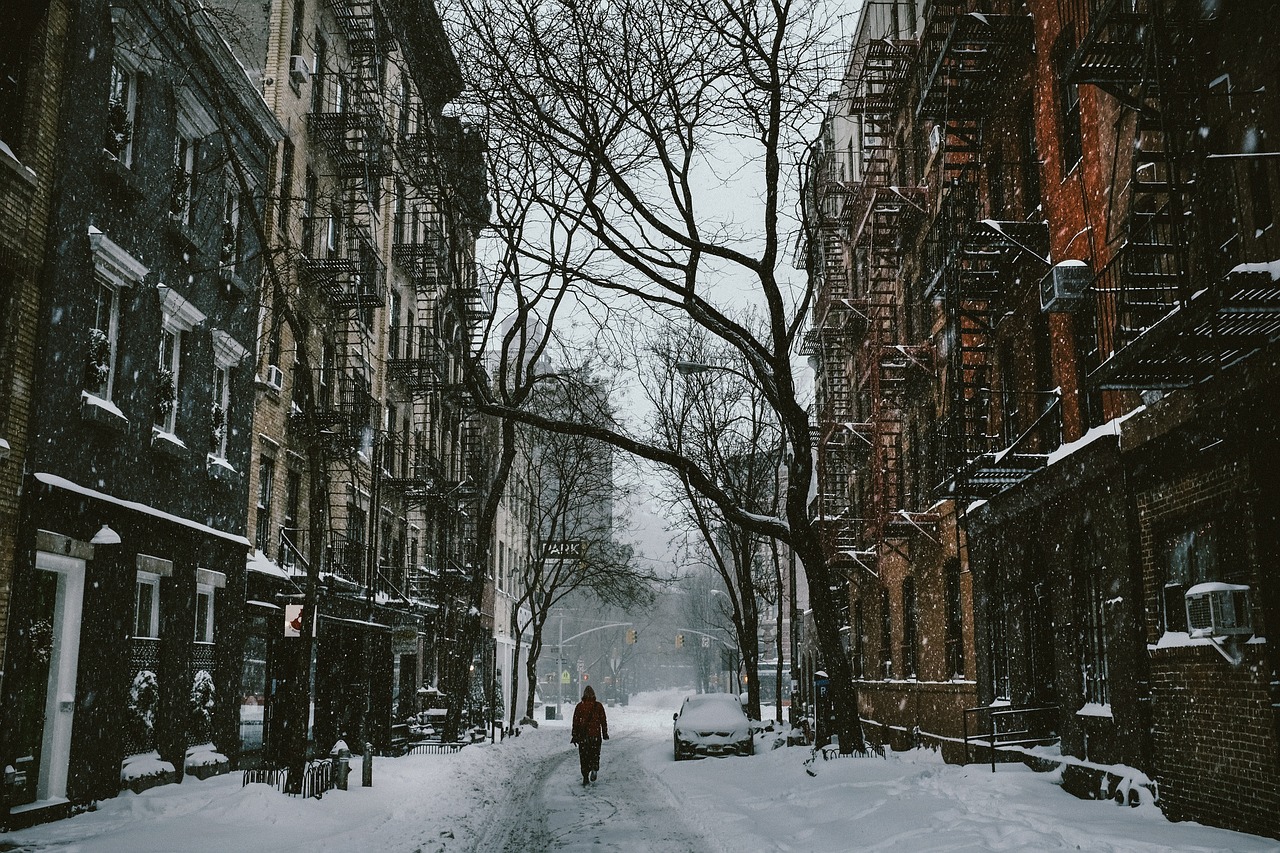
<point>341,755</point>
<point>551,712</point>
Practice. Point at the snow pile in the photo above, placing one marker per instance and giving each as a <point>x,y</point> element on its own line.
<point>146,765</point>
<point>204,755</point>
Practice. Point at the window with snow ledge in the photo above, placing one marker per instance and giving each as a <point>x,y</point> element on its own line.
<point>114,270</point>
<point>178,317</point>
<point>227,355</point>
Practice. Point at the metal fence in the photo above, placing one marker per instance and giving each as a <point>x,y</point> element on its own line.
<point>435,748</point>
<point>316,779</point>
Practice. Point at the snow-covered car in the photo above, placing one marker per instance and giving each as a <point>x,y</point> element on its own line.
<point>712,724</point>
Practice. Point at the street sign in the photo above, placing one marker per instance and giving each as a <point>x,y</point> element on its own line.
<point>706,642</point>
<point>582,666</point>
<point>293,620</point>
<point>564,677</point>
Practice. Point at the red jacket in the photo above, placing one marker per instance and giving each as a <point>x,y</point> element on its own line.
<point>589,721</point>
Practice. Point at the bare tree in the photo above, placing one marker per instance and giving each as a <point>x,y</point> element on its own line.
<point>634,118</point>
<point>713,411</point>
<point>572,490</point>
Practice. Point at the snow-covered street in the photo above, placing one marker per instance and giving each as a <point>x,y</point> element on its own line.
<point>524,795</point>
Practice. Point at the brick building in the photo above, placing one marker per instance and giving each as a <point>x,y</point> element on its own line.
<point>30,82</point>
<point>366,453</point>
<point>125,657</point>
<point>1096,295</point>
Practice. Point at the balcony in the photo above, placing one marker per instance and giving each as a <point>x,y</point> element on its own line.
<point>416,358</point>
<point>411,469</point>
<point>1156,334</point>
<point>345,412</point>
<point>346,561</point>
<point>986,260</point>
<point>420,249</point>
<point>1112,47</point>
<point>342,264</point>
<point>966,55</point>
<point>363,26</point>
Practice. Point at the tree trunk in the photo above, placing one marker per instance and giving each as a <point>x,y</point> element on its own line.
<point>531,668</point>
<point>515,668</point>
<point>807,543</point>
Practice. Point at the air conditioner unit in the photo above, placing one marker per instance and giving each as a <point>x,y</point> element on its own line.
<point>1218,610</point>
<point>299,71</point>
<point>275,377</point>
<point>1065,287</point>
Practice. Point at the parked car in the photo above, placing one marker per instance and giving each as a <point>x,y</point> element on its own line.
<point>712,724</point>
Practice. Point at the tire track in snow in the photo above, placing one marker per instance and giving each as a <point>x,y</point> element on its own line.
<point>626,810</point>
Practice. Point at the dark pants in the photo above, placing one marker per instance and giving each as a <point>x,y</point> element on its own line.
<point>589,754</point>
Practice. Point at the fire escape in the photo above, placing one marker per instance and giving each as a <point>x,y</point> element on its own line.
<point>340,265</point>
<point>975,258</point>
<point>858,318</point>
<point>1180,301</point>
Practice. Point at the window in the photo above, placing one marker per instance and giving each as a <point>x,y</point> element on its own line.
<point>859,642</point>
<point>1090,600</point>
<point>114,269</point>
<point>333,229</point>
<point>310,196</point>
<point>168,375</point>
<point>886,636</point>
<point>998,640</point>
<point>909,628</point>
<point>121,113</point>
<point>186,155</point>
<point>104,340</point>
<point>1068,107</point>
<point>19,22</point>
<point>146,611</point>
<point>995,182</point>
<point>266,491</point>
<point>292,501</point>
<point>321,73</point>
<point>204,614</point>
<point>295,31</point>
<point>178,317</point>
<point>219,409</point>
<point>232,237</point>
<point>406,107</point>
<point>1095,663</point>
<point>1210,550</point>
<point>227,353</point>
<point>1030,158</point>
<point>286,184</point>
<point>955,619</point>
<point>400,210</point>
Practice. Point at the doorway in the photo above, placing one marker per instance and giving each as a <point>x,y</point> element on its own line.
<point>47,700</point>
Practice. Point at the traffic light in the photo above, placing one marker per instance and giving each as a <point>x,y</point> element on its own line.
<point>679,641</point>
<point>631,636</point>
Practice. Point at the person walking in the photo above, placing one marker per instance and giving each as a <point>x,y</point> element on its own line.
<point>590,727</point>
